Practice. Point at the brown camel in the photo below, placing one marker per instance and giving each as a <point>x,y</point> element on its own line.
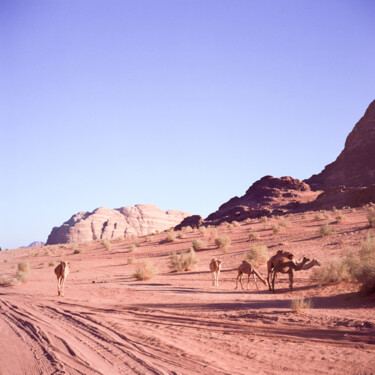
<point>215,267</point>
<point>248,269</point>
<point>61,271</point>
<point>285,265</point>
<point>274,260</point>
<point>311,264</point>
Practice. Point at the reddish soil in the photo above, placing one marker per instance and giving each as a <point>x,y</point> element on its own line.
<point>177,323</point>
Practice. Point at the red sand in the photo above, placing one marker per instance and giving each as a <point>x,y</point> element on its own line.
<point>177,323</point>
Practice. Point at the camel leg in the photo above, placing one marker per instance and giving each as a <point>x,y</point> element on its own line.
<point>255,281</point>
<point>273,281</point>
<point>213,278</point>
<point>217,278</point>
<point>239,278</point>
<point>62,286</point>
<point>58,285</point>
<point>291,280</point>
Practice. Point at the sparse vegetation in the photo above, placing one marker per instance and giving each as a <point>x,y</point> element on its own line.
<point>371,217</point>
<point>132,247</point>
<point>202,231</point>
<point>257,255</point>
<point>171,237</point>
<point>130,260</point>
<point>106,244</point>
<point>339,219</point>
<point>278,229</point>
<point>184,261</point>
<point>298,305</point>
<point>213,233</point>
<point>23,266</point>
<point>248,221</point>
<point>223,242</point>
<point>264,219</point>
<point>77,251</point>
<point>325,230</point>
<point>254,236</point>
<point>235,223</point>
<point>198,244</point>
<point>5,282</point>
<point>181,235</point>
<point>22,276</point>
<point>52,264</point>
<point>145,270</point>
<point>318,217</point>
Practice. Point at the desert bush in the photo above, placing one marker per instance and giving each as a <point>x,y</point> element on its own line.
<point>318,217</point>
<point>77,251</point>
<point>181,235</point>
<point>371,218</point>
<point>254,236</point>
<point>235,223</point>
<point>213,233</point>
<point>184,261</point>
<point>198,244</point>
<point>52,264</point>
<point>5,282</point>
<point>171,237</point>
<point>264,219</point>
<point>24,266</point>
<point>145,270</point>
<point>132,247</point>
<point>202,231</point>
<point>106,244</point>
<point>223,242</point>
<point>22,276</point>
<point>248,221</point>
<point>130,260</point>
<point>298,305</point>
<point>284,223</point>
<point>257,255</point>
<point>325,230</point>
<point>187,228</point>
<point>278,229</point>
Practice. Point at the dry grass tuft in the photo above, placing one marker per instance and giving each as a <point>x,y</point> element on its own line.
<point>184,261</point>
<point>254,236</point>
<point>325,230</point>
<point>145,270</point>
<point>298,305</point>
<point>257,255</point>
<point>198,244</point>
<point>23,266</point>
<point>106,244</point>
<point>132,247</point>
<point>223,242</point>
<point>171,237</point>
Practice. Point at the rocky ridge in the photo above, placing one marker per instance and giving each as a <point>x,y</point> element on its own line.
<point>105,223</point>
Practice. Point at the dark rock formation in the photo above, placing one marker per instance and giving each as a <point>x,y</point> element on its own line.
<point>355,166</point>
<point>194,221</point>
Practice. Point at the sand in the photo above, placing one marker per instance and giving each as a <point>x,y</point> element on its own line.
<point>177,322</point>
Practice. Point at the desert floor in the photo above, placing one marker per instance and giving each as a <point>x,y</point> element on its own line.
<point>177,322</point>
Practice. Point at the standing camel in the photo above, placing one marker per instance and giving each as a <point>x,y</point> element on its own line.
<point>274,260</point>
<point>285,265</point>
<point>61,271</point>
<point>248,269</point>
<point>215,267</point>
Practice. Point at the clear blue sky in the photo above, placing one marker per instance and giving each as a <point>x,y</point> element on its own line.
<point>181,103</point>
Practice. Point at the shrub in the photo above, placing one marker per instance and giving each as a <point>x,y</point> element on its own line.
<point>284,223</point>
<point>264,219</point>
<point>77,251</point>
<point>132,247</point>
<point>52,264</point>
<point>22,276</point>
<point>181,235</point>
<point>257,255</point>
<point>5,282</point>
<point>325,230</point>
<point>223,242</point>
<point>106,244</point>
<point>318,217</point>
<point>130,260</point>
<point>371,218</point>
<point>339,219</point>
<point>24,266</point>
<point>248,221</point>
<point>198,244</point>
<point>171,237</point>
<point>145,270</point>
<point>187,229</point>
<point>184,261</point>
<point>202,231</point>
<point>253,236</point>
<point>300,304</point>
<point>278,229</point>
<point>213,233</point>
<point>235,223</point>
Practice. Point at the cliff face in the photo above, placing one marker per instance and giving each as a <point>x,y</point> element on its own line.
<point>105,223</point>
<point>355,166</point>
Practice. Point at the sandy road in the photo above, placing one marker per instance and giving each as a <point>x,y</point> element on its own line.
<point>69,336</point>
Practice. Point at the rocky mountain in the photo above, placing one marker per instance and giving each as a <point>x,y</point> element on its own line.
<point>36,243</point>
<point>355,166</point>
<point>267,196</point>
<point>105,223</point>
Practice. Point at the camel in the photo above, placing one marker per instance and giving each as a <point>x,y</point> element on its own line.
<point>61,271</point>
<point>248,269</point>
<point>311,264</point>
<point>274,260</point>
<point>215,267</point>
<point>285,265</point>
